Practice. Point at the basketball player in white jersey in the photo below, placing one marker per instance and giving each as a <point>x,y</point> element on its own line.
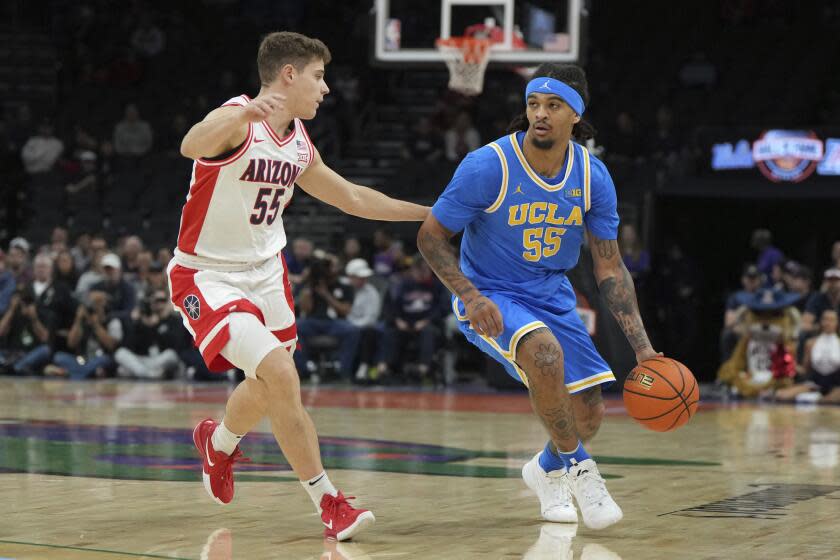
<point>228,278</point>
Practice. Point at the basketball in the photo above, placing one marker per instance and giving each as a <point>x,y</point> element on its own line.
<point>661,394</point>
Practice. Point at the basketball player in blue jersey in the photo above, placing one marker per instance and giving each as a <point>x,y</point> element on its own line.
<point>524,202</point>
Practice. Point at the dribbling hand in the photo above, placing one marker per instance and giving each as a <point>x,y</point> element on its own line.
<point>484,316</point>
<point>264,106</point>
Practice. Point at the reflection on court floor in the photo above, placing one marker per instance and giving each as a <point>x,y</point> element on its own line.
<point>107,470</point>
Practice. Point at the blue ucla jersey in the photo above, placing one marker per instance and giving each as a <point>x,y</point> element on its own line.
<point>522,232</point>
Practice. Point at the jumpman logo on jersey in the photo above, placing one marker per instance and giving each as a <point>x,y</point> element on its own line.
<point>518,189</point>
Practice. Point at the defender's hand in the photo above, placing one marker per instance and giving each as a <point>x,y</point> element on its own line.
<point>264,106</point>
<point>484,316</point>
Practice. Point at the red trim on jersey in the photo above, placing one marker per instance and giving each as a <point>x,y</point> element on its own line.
<point>277,140</point>
<point>195,209</point>
<point>287,286</point>
<point>309,142</point>
<point>247,100</point>
<point>234,156</point>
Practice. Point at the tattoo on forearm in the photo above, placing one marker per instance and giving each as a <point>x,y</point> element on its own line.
<point>607,248</point>
<point>443,259</point>
<point>621,300</point>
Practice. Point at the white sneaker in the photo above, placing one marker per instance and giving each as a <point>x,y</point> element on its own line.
<point>555,543</point>
<point>596,505</point>
<point>552,490</point>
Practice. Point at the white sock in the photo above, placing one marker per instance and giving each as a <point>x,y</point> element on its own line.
<point>317,486</point>
<point>224,440</point>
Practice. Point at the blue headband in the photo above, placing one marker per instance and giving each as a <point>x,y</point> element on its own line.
<point>558,88</point>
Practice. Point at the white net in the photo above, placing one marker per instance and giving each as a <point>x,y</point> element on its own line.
<point>466,59</point>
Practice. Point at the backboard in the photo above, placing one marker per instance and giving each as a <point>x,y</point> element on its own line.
<point>524,32</point>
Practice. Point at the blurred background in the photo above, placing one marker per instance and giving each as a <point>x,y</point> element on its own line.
<point>718,119</point>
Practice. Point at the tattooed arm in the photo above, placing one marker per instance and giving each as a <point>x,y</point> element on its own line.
<point>616,286</point>
<point>433,240</point>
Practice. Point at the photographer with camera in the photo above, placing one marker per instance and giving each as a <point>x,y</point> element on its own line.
<point>155,335</point>
<point>92,339</point>
<point>36,321</point>
<point>326,303</point>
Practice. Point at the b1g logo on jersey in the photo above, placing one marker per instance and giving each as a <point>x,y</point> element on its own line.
<point>192,306</point>
<point>787,155</point>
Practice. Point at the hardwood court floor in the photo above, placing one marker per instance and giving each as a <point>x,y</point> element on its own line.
<point>107,470</point>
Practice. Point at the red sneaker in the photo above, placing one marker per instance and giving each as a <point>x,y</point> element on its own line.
<point>217,471</point>
<point>342,520</point>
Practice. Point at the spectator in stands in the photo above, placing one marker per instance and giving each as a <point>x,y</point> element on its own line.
<point>164,255</point>
<point>81,251</point>
<point>140,280</point>
<point>827,298</point>
<point>132,135</point>
<point>298,260</point>
<point>636,258</point>
<point>461,138</point>
<point>797,280</point>
<point>148,39</point>
<point>820,368</point>
<point>65,270</point>
<point>37,320</point>
<point>736,306</point>
<point>8,284</point>
<point>325,304</point>
<point>768,255</point>
<point>153,339</point>
<point>93,275</point>
<point>352,249</point>
<point>17,260</point>
<point>425,145</point>
<point>415,316</point>
<point>58,240</point>
<point>42,150</point>
<point>83,190</point>
<point>131,248</point>
<point>121,295</point>
<point>364,314</point>
<point>387,252</point>
<point>94,336</point>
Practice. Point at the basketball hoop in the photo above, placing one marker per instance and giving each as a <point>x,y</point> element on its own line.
<point>466,58</point>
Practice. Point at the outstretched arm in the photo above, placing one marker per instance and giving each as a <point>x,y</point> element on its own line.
<point>616,286</point>
<point>433,240</point>
<point>328,186</point>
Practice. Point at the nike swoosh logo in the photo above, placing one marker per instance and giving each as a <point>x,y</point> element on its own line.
<point>207,447</point>
<point>328,525</point>
<point>257,140</point>
<point>317,481</point>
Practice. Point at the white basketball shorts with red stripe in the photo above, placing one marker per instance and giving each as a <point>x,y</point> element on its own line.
<point>206,298</point>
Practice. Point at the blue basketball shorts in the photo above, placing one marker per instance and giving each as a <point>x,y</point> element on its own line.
<point>583,367</point>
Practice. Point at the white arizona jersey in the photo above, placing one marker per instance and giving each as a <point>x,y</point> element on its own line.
<point>235,205</point>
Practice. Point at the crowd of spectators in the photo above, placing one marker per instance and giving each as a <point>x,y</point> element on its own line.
<point>93,310</point>
<point>780,330</point>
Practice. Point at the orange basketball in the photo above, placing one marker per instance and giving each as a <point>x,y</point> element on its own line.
<point>661,394</point>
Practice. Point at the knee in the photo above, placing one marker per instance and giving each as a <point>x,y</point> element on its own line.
<point>277,371</point>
